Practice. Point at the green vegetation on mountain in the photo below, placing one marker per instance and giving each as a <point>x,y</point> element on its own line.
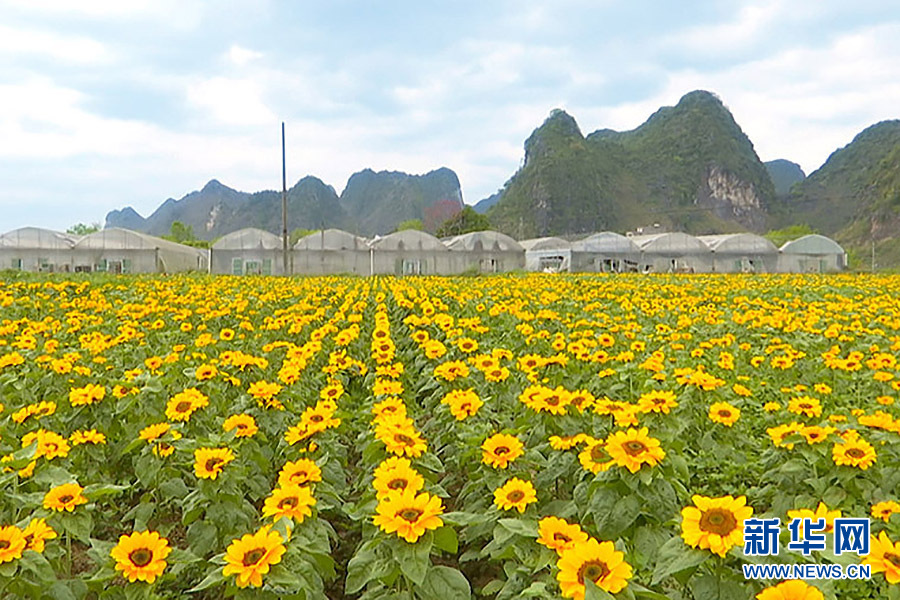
<point>465,221</point>
<point>784,174</point>
<point>688,167</point>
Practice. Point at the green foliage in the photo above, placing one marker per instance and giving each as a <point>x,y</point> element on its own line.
<point>465,221</point>
<point>82,229</point>
<point>300,233</point>
<point>410,224</point>
<point>780,236</point>
<point>181,233</point>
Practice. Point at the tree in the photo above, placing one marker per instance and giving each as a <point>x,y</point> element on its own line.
<point>465,221</point>
<point>299,233</point>
<point>410,224</point>
<point>82,229</point>
<point>780,236</point>
<point>181,233</point>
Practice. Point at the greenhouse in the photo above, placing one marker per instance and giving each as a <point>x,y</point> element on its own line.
<point>331,251</point>
<point>248,251</point>
<point>410,252</point>
<point>116,250</point>
<point>742,253</point>
<point>673,253</point>
<point>605,252</point>
<point>812,254</point>
<point>37,250</point>
<point>486,252</point>
<point>547,254</point>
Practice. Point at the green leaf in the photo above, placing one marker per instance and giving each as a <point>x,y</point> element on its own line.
<point>642,592</point>
<point>592,592</point>
<point>445,583</point>
<point>78,524</point>
<point>445,539</point>
<point>8,569</point>
<point>463,518</point>
<point>213,578</point>
<point>675,557</point>
<point>523,527</point>
<point>99,490</point>
<point>173,488</point>
<point>60,591</point>
<point>413,559</point>
<point>201,537</point>
<point>37,564</point>
<point>619,518</point>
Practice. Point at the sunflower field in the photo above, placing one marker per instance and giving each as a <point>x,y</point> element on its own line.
<point>507,437</point>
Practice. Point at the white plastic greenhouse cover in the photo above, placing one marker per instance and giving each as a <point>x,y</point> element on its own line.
<point>490,241</point>
<point>38,238</point>
<point>408,239</point>
<point>331,239</point>
<point>606,242</point>
<point>249,239</point>
<point>738,243</point>
<point>812,244</point>
<point>545,243</point>
<point>676,243</point>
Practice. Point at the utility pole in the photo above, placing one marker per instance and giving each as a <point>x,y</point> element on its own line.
<point>284,229</point>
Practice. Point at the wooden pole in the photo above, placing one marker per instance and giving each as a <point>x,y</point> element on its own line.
<point>284,228</point>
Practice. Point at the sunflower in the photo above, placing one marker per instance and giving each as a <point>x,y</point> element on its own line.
<point>724,413</point>
<point>805,405</point>
<point>559,535</point>
<point>151,433</point>
<point>598,561</point>
<point>36,533</point>
<point>87,436</point>
<point>501,449</point>
<point>183,404</point>
<point>815,434</point>
<point>141,556</point>
<point>795,589</point>
<point>634,448</point>
<point>303,471</point>
<point>884,556</point>
<point>388,407</point>
<point>251,556</point>
<point>515,493</point>
<point>86,395</point>
<point>400,437</point>
<point>659,401</point>
<point>854,452</point>
<point>821,512</point>
<point>204,372</point>
<point>396,475</point>
<point>594,459</point>
<point>64,497</point>
<point>715,524</point>
<point>884,510</point>
<point>293,502</point>
<point>209,462</point>
<point>244,423</point>
<point>409,514</point>
<point>12,543</point>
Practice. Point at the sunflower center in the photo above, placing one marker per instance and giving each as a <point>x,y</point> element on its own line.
<point>561,537</point>
<point>299,476</point>
<point>597,452</point>
<point>718,521</point>
<point>4,544</point>
<point>501,450</point>
<point>51,447</point>
<point>317,418</point>
<point>289,502</point>
<point>553,400</point>
<point>516,496</point>
<point>634,447</point>
<point>805,405</point>
<point>140,557</point>
<point>725,413</point>
<point>397,484</point>
<point>212,463</point>
<point>410,514</point>
<point>594,570</point>
<point>183,406</point>
<point>253,557</point>
<point>894,559</point>
<point>66,499</point>
<point>403,439</point>
<point>855,453</point>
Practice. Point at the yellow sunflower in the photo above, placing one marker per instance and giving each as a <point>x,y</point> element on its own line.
<point>141,556</point>
<point>884,510</point>
<point>659,401</point>
<point>294,502</point>
<point>251,556</point>
<point>794,589</point>
<point>598,561</point>
<point>396,475</point>
<point>515,493</point>
<point>151,433</point>
<point>409,515</point>
<point>594,458</point>
<point>501,449</point>
<point>884,556</point>
<point>715,524</point>
<point>209,462</point>
<point>12,543</point>
<point>724,413</point>
<point>36,533</point>
<point>400,437</point>
<point>634,448</point>
<point>806,406</point>
<point>64,497</point>
<point>243,423</point>
<point>300,472</point>
<point>854,452</point>
<point>559,535</point>
<point>821,512</point>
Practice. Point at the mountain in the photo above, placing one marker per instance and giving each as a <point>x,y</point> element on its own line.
<point>377,202</point>
<point>855,195</point>
<point>484,204</point>
<point>784,175</point>
<point>688,167</point>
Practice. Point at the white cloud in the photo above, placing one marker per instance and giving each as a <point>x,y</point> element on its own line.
<point>231,101</point>
<point>241,56</point>
<point>59,47</point>
<point>178,12</point>
<point>748,28</point>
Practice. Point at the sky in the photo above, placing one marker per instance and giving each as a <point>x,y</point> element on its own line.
<point>113,103</point>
